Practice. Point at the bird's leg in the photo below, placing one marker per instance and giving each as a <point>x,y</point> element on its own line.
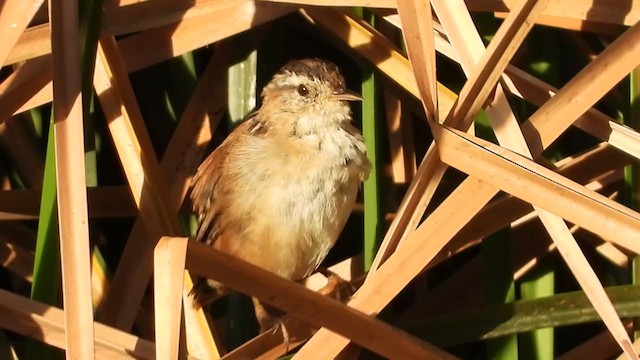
<point>271,318</point>
<point>337,287</point>
<point>285,333</point>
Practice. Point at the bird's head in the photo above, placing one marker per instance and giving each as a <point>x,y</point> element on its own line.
<point>307,94</point>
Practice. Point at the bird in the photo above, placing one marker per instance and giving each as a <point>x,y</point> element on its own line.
<point>279,189</point>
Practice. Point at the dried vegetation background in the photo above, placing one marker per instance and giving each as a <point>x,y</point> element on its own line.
<point>499,221</point>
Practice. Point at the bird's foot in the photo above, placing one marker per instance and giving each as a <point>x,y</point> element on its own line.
<point>337,287</point>
<point>286,339</point>
<point>272,319</point>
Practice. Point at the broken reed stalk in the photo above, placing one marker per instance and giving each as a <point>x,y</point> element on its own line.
<point>70,170</point>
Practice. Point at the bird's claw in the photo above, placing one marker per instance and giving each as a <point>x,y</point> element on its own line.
<point>280,325</point>
<point>337,288</point>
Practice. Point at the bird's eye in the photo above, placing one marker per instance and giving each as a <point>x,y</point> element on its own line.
<point>302,90</point>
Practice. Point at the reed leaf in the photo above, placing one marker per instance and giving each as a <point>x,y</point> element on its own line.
<point>521,316</point>
<point>496,253</point>
<point>371,118</point>
<point>632,175</point>
<point>539,344</point>
<point>45,287</point>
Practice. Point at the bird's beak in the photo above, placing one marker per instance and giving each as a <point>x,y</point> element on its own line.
<point>347,95</point>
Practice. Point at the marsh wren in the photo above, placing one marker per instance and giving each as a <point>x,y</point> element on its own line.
<point>278,191</point>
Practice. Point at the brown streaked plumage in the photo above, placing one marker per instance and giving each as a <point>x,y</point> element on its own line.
<point>278,191</point>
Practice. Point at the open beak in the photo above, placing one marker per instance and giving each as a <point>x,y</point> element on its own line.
<point>347,95</point>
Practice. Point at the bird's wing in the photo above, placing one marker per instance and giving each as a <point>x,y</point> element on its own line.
<point>210,195</point>
<point>210,192</point>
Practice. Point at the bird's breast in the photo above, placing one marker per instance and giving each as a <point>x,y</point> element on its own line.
<point>299,202</point>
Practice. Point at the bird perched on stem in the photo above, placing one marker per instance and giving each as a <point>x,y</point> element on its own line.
<point>278,191</point>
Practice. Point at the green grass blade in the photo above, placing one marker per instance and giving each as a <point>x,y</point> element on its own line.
<point>90,21</point>
<point>242,86</point>
<point>496,253</point>
<point>182,73</point>
<point>37,119</point>
<point>496,249</point>
<point>521,316</point>
<point>632,175</point>
<point>539,344</point>
<point>540,282</point>
<point>371,117</point>
<point>46,275</point>
<point>46,268</point>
